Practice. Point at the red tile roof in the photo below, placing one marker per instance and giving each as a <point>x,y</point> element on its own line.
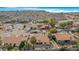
<point>63,36</point>
<point>17,39</point>
<point>42,38</point>
<point>14,39</point>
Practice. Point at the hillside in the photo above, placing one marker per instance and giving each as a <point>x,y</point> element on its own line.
<point>8,16</point>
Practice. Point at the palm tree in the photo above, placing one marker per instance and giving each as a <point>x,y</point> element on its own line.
<point>33,41</point>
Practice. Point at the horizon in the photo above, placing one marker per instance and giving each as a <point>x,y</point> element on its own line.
<point>48,9</point>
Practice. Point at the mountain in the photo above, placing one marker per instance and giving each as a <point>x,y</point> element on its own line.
<point>29,15</point>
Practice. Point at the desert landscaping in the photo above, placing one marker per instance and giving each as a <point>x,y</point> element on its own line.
<point>39,31</point>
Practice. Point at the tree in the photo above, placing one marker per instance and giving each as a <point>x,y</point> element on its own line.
<point>24,45</point>
<point>66,24</point>
<point>52,37</point>
<point>69,23</point>
<point>4,47</point>
<point>53,30</point>
<point>63,25</point>
<point>45,21</point>
<point>52,22</point>
<point>14,45</point>
<point>27,46</point>
<point>9,47</point>
<point>77,42</point>
<point>33,41</point>
<point>77,30</point>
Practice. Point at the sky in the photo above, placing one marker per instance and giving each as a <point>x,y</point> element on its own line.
<point>49,9</point>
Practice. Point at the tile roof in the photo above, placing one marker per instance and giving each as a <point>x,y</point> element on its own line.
<point>14,39</point>
<point>42,38</point>
<point>63,36</point>
<point>17,39</point>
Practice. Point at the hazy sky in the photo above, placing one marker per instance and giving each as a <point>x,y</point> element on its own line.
<point>49,9</point>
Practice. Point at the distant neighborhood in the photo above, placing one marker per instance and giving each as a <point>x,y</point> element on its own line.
<point>39,31</point>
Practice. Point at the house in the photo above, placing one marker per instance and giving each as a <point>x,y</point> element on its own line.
<point>14,39</point>
<point>42,39</point>
<point>64,39</point>
<point>44,26</point>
